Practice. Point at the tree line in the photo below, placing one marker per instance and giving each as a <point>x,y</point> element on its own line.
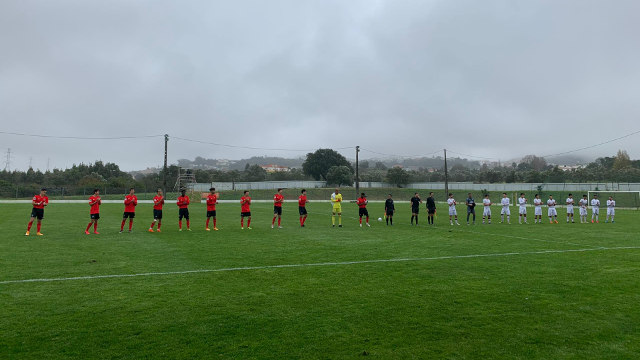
<point>323,164</point>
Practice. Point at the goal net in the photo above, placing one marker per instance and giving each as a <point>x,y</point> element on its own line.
<point>624,199</point>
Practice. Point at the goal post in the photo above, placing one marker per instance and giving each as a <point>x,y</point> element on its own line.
<point>624,199</point>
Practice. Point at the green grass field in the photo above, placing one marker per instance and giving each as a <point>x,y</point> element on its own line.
<point>499,291</point>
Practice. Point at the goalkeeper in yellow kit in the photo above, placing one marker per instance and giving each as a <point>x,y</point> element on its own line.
<point>336,200</point>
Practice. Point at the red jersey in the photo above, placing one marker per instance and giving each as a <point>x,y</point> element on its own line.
<point>95,202</point>
<point>245,202</point>
<point>212,200</point>
<point>183,202</point>
<point>158,201</point>
<point>130,202</point>
<point>277,200</point>
<point>362,203</point>
<point>302,200</point>
<point>40,201</point>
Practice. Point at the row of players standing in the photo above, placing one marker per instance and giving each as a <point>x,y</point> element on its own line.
<point>537,203</point>
<point>183,201</point>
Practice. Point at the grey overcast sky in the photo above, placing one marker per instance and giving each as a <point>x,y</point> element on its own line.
<point>495,79</point>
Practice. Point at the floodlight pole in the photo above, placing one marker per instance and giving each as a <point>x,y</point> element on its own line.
<point>357,173</point>
<point>164,172</point>
<point>446,175</point>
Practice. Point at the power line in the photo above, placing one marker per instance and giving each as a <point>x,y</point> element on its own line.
<point>401,156</point>
<point>592,146</point>
<point>472,156</point>
<point>251,147</point>
<point>80,137</point>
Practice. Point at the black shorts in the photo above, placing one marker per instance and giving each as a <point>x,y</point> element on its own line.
<point>431,211</point>
<point>363,212</point>
<point>37,213</point>
<point>245,214</point>
<point>94,216</point>
<point>415,210</point>
<point>471,210</point>
<point>183,213</point>
<point>389,212</point>
<point>211,213</point>
<point>302,210</point>
<point>157,214</point>
<point>128,214</point>
<point>277,210</point>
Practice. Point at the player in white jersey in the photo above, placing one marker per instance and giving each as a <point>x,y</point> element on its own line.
<point>452,209</point>
<point>583,209</point>
<point>505,209</point>
<point>595,209</point>
<point>522,201</point>
<point>537,202</point>
<point>611,209</point>
<point>552,213</point>
<point>570,203</point>
<point>486,213</point>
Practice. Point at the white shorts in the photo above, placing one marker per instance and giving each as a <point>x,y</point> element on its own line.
<point>583,211</point>
<point>595,211</point>
<point>452,210</point>
<point>552,212</point>
<point>611,211</point>
<point>487,211</point>
<point>523,210</point>
<point>538,211</point>
<point>569,209</point>
<point>505,211</point>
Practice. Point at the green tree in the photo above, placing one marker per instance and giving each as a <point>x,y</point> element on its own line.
<point>621,160</point>
<point>318,163</point>
<point>255,173</point>
<point>397,176</point>
<point>339,175</point>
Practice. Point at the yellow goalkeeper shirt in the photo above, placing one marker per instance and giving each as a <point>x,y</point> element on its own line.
<point>336,200</point>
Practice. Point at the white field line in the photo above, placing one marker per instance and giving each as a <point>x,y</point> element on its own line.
<point>530,238</point>
<point>265,267</point>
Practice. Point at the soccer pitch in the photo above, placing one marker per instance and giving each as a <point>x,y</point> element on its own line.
<point>484,291</point>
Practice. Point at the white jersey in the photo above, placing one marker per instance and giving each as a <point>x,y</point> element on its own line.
<point>595,203</point>
<point>552,208</point>
<point>487,207</point>
<point>611,207</point>
<point>569,202</point>
<point>538,204</point>
<point>452,207</point>
<point>505,206</point>
<point>523,206</point>
<point>583,206</point>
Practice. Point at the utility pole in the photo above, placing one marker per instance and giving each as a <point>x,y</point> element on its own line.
<point>357,173</point>
<point>446,175</point>
<point>30,162</point>
<point>7,164</point>
<point>164,172</point>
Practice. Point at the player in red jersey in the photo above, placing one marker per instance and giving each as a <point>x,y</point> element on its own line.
<point>245,210</point>
<point>212,200</point>
<point>158,201</point>
<point>183,209</point>
<point>278,199</point>
<point>302,207</point>
<point>94,213</point>
<point>362,208</point>
<point>39,202</point>
<point>130,203</point>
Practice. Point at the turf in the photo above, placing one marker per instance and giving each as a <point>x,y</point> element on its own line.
<point>451,292</point>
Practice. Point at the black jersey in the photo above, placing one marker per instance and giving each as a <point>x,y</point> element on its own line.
<point>389,205</point>
<point>431,202</point>
<point>415,202</point>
